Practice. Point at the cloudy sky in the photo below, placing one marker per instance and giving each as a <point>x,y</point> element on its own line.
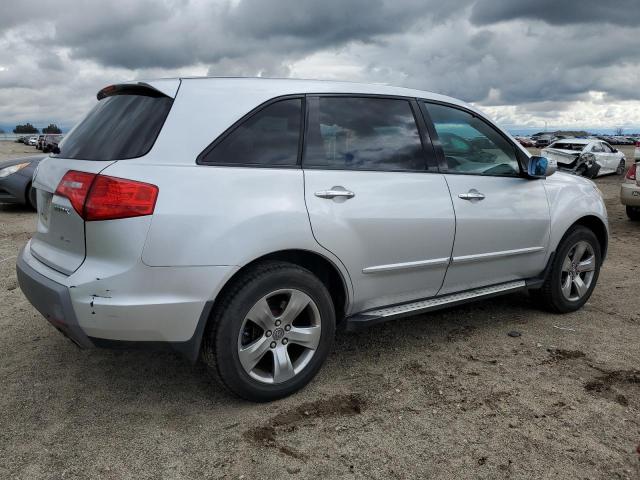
<point>568,63</point>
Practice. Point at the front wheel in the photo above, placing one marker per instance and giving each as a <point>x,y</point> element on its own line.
<point>574,272</point>
<point>271,332</point>
<point>633,213</point>
<point>32,201</point>
<point>622,166</point>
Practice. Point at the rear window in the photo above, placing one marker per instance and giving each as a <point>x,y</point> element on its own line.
<point>119,127</point>
<point>577,147</point>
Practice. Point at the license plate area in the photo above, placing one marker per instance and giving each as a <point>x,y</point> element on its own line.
<point>44,208</point>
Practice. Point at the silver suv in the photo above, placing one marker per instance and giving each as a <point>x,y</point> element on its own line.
<point>242,220</point>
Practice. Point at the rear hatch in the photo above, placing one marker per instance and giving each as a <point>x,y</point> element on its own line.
<point>124,124</point>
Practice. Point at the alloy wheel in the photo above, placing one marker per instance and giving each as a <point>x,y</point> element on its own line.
<point>577,272</point>
<point>279,336</point>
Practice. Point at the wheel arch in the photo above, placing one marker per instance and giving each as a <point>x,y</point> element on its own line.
<point>318,264</point>
<point>321,266</point>
<point>598,227</point>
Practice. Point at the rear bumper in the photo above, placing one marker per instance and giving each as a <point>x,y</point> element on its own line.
<point>104,304</point>
<point>52,300</point>
<point>630,194</point>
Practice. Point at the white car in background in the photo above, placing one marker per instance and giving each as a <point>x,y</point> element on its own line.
<point>589,157</point>
<point>636,153</point>
<point>32,141</point>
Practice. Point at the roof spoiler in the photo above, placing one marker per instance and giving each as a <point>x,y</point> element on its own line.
<point>139,88</point>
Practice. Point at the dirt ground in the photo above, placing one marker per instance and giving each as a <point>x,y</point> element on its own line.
<point>445,395</point>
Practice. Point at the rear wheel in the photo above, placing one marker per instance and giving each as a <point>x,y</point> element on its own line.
<point>633,213</point>
<point>574,272</point>
<point>271,333</point>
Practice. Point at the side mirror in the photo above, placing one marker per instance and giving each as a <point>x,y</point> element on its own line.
<point>541,167</point>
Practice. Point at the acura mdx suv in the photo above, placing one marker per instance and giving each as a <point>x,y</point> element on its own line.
<point>240,221</point>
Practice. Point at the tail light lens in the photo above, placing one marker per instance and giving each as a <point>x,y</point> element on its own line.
<point>631,174</point>
<point>100,197</point>
<point>638,144</point>
<point>75,186</point>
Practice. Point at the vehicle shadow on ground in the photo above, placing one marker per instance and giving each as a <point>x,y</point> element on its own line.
<point>15,208</point>
<point>135,378</point>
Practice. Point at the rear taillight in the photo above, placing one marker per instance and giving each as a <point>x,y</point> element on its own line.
<point>111,198</point>
<point>631,173</point>
<point>75,186</point>
<point>638,144</point>
<point>99,197</point>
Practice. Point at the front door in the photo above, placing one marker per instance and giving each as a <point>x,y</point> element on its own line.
<point>371,200</point>
<point>502,218</point>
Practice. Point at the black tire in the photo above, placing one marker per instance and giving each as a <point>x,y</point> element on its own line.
<point>30,198</point>
<point>633,213</point>
<point>622,167</point>
<point>220,343</point>
<point>550,296</point>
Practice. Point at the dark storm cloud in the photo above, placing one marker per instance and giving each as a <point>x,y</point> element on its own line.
<point>558,12</point>
<point>492,52</point>
<point>331,22</point>
<point>172,34</point>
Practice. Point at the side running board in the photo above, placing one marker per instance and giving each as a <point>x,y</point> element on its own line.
<point>379,315</point>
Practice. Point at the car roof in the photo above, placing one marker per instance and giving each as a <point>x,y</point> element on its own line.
<point>284,86</point>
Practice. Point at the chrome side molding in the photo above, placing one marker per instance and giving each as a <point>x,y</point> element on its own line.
<point>436,262</point>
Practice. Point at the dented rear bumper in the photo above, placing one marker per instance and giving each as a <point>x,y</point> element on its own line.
<point>52,300</point>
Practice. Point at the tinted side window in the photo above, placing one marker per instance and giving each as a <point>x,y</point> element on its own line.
<point>597,147</point>
<point>118,127</point>
<point>606,148</point>
<point>268,138</point>
<point>471,145</point>
<point>362,134</point>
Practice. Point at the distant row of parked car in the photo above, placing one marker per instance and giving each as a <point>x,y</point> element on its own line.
<point>544,140</point>
<point>47,142</point>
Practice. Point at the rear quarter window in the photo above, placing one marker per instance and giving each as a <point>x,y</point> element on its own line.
<point>268,138</point>
<point>119,127</point>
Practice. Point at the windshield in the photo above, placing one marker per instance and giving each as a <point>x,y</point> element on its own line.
<point>119,127</point>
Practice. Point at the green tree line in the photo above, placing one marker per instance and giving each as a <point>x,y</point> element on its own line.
<point>28,128</point>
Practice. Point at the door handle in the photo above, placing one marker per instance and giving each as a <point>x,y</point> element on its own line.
<point>335,192</point>
<point>471,195</point>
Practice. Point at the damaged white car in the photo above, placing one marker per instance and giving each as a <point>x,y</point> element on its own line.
<point>585,156</point>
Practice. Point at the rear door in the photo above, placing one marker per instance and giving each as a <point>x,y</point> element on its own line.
<point>612,158</point>
<point>123,124</point>
<point>373,199</point>
<point>502,218</point>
